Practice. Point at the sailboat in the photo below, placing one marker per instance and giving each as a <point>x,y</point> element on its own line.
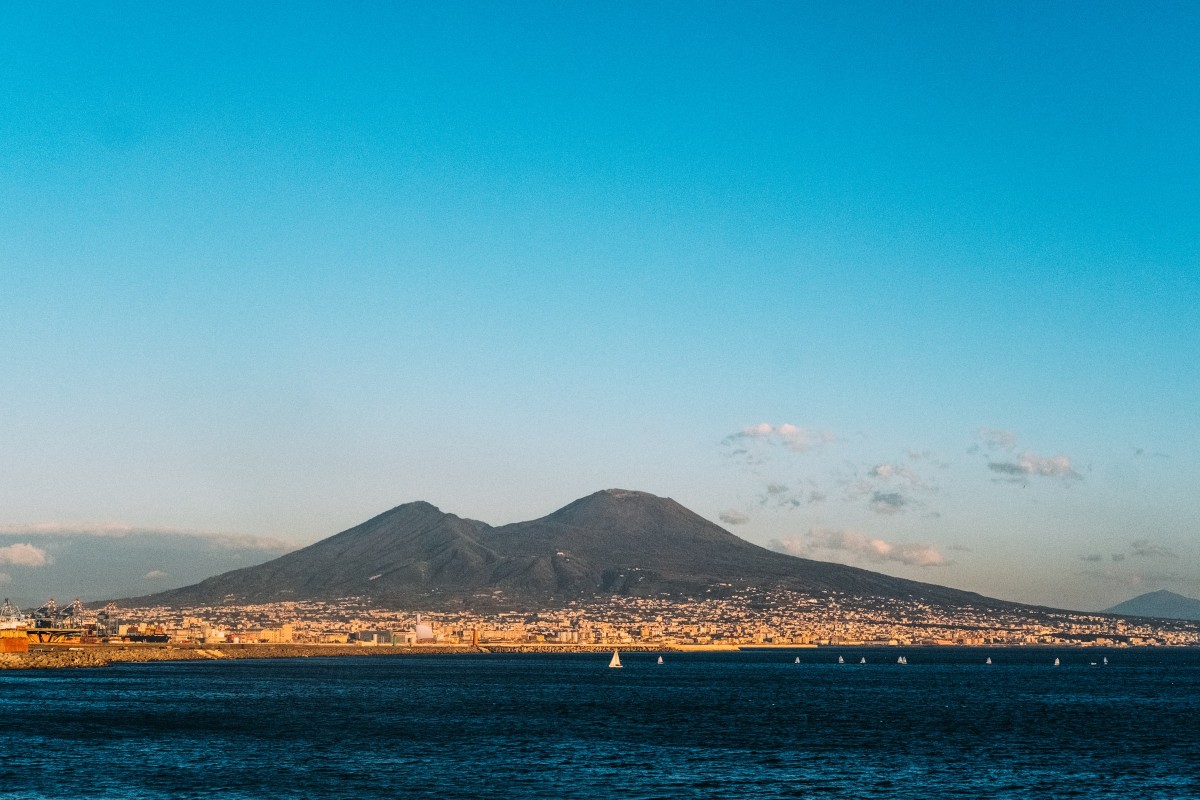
<point>615,663</point>
<point>901,660</point>
<point>1105,661</point>
<point>841,660</point>
<point>660,659</point>
<point>989,660</point>
<point>862,661</point>
<point>797,659</point>
<point>1056,662</point>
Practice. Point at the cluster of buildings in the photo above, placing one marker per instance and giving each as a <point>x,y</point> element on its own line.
<point>748,618</point>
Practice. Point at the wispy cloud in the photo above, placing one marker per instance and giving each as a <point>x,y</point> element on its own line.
<point>888,502</point>
<point>887,488</point>
<point>1031,464</point>
<point>781,496</point>
<point>23,555</point>
<point>733,517</point>
<point>231,541</point>
<point>1144,548</point>
<point>1132,580</point>
<point>887,471</point>
<point>861,546</point>
<point>155,574</point>
<point>792,437</point>
<point>997,438</point>
<point>898,474</point>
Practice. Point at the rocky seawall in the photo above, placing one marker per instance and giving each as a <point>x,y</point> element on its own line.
<point>60,657</point>
<point>104,655</point>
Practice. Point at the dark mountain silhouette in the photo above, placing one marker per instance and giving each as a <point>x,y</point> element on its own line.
<point>612,542</point>
<point>1161,604</point>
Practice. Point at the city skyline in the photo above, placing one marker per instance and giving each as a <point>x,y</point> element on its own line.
<point>912,289</point>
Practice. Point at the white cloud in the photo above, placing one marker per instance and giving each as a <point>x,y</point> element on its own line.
<point>734,517</point>
<point>1032,464</point>
<point>154,574</point>
<point>861,546</point>
<point>1051,465</point>
<point>791,436</point>
<point>23,555</point>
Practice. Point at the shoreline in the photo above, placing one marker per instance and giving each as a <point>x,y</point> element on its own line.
<point>91,656</point>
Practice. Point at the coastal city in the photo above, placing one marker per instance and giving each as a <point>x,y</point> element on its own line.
<point>776,618</point>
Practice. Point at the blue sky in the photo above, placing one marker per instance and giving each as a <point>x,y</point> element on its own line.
<point>270,270</point>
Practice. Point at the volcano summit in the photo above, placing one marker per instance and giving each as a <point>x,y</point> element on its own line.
<point>613,542</point>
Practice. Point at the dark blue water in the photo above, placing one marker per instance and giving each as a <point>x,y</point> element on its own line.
<point>744,725</point>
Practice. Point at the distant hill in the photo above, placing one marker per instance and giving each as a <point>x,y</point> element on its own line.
<point>1161,604</point>
<point>612,542</point>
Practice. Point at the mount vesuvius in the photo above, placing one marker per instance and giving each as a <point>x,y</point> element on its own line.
<point>611,542</point>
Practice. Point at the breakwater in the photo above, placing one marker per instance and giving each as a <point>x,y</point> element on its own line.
<point>60,657</point>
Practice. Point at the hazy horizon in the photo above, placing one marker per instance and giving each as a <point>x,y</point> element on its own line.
<point>910,289</point>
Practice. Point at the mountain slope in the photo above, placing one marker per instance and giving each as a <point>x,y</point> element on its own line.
<point>611,542</point>
<point>1161,604</point>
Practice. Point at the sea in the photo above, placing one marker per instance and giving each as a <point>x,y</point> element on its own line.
<point>750,724</point>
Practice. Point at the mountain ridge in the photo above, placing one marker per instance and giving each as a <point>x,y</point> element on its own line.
<point>615,541</point>
<point>1161,604</point>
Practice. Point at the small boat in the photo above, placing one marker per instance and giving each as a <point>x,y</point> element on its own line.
<point>615,663</point>
<point>862,661</point>
<point>660,659</point>
<point>989,660</point>
<point>1057,662</point>
<point>901,660</point>
<point>841,660</point>
<point>1105,661</point>
<point>1091,663</point>
<point>797,661</point>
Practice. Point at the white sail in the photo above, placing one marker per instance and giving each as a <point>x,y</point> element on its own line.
<point>616,660</point>
<point>841,660</point>
<point>862,661</point>
<point>1056,662</point>
<point>797,659</point>
<point>660,659</point>
<point>989,660</point>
